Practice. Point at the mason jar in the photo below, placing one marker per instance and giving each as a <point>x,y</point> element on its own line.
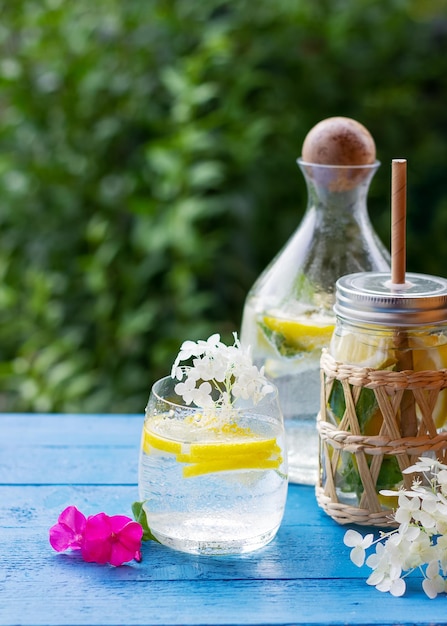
<point>383,395</point>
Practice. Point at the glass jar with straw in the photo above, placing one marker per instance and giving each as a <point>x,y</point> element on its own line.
<point>384,380</point>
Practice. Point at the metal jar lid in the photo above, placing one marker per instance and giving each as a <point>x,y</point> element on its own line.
<point>371,298</point>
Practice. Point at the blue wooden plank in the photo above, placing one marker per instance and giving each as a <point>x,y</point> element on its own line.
<point>301,506</point>
<point>287,557</point>
<point>58,449</point>
<point>70,464</point>
<point>40,506</point>
<point>42,429</point>
<point>88,600</point>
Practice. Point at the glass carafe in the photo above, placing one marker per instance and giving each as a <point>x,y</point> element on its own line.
<point>288,315</point>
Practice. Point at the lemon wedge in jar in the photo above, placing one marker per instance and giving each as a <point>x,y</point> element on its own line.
<point>380,353</point>
<point>432,356</point>
<point>352,348</point>
<point>292,336</point>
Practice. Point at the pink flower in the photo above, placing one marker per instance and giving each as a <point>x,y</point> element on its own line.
<point>69,531</point>
<point>115,540</point>
<point>101,538</point>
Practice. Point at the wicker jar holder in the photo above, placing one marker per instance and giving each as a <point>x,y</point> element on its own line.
<point>391,390</point>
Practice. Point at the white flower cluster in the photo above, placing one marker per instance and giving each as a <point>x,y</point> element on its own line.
<point>420,541</point>
<point>229,370</point>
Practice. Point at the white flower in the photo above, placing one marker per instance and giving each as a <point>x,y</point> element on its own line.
<point>202,395</point>
<point>427,514</point>
<point>433,583</point>
<point>249,383</point>
<point>441,548</point>
<point>442,480</point>
<point>186,389</point>
<point>211,367</point>
<point>189,349</point>
<point>222,372</point>
<point>386,574</point>
<point>359,544</point>
<point>396,586</point>
<point>425,464</point>
<point>441,519</point>
<point>419,552</point>
<point>419,541</point>
<point>407,508</point>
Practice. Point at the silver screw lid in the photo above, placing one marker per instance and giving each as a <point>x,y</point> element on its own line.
<point>370,297</point>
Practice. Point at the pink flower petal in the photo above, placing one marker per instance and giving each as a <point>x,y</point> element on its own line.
<point>129,541</point>
<point>118,522</point>
<point>126,539</point>
<point>98,527</point>
<point>131,535</point>
<point>97,544</point>
<point>120,554</point>
<point>68,532</point>
<point>73,518</point>
<point>61,539</point>
<point>96,552</point>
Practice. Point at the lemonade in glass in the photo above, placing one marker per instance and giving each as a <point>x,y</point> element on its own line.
<point>213,478</point>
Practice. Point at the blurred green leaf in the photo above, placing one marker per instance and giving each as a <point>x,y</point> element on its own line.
<point>148,169</point>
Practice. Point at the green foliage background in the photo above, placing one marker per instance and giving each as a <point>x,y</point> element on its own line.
<point>147,169</point>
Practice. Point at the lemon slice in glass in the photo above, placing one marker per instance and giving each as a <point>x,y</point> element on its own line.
<point>248,462</point>
<point>151,440</point>
<point>225,449</point>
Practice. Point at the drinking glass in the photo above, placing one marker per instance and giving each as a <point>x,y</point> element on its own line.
<point>214,480</point>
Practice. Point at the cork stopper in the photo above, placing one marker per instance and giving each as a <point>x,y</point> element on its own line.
<point>339,141</point>
<point>344,145</point>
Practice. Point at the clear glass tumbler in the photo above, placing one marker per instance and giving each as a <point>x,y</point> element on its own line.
<point>213,481</point>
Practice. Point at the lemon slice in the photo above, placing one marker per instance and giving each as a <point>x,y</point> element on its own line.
<point>304,335</point>
<point>222,450</point>
<point>231,464</point>
<point>151,440</point>
<point>227,448</point>
<point>433,358</point>
<point>378,353</point>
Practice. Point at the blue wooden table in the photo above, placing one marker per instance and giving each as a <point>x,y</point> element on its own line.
<point>304,576</point>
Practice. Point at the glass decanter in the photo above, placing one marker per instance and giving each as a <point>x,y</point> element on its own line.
<point>288,315</point>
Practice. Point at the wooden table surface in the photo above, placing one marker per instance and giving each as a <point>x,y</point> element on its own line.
<point>304,576</point>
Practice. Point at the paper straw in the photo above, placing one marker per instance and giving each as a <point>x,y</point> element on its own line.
<point>409,423</point>
<point>398,220</point>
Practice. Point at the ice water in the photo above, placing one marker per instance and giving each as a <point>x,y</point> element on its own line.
<point>289,347</point>
<point>218,494</point>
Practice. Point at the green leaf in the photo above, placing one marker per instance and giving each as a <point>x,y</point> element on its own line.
<point>366,407</point>
<point>140,516</point>
<point>337,402</point>
<point>281,343</point>
<point>390,475</point>
<point>304,288</point>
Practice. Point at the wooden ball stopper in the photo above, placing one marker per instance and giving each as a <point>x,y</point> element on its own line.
<point>339,141</point>
<point>342,142</point>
